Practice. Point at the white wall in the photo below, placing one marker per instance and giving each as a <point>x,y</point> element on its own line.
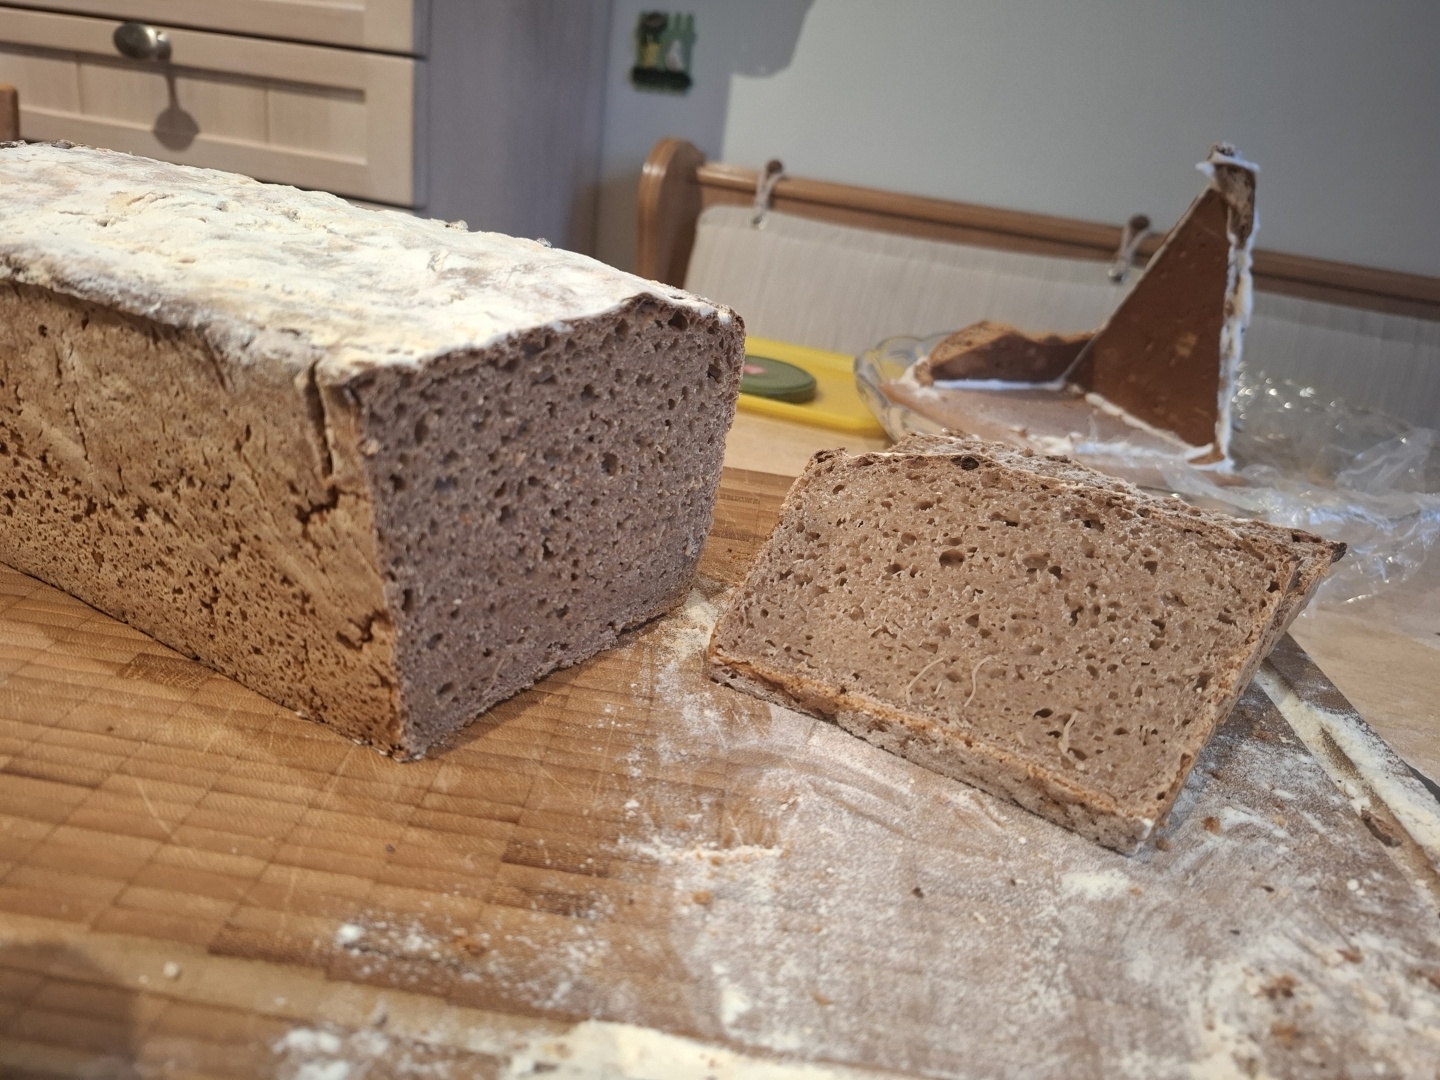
<point>745,36</point>
<point>1098,109</point>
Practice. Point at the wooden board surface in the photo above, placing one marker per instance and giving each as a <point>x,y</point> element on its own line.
<point>194,880</point>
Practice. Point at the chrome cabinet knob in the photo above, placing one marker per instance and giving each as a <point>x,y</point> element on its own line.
<point>141,42</point>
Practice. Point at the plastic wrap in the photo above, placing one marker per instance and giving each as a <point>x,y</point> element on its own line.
<point>1297,459</point>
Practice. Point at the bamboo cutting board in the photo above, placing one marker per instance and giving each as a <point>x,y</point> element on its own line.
<point>194,882</point>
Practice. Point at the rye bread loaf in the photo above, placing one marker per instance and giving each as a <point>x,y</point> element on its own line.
<point>383,471</point>
<point>1014,623</point>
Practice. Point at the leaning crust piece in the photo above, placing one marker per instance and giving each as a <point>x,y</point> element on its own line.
<point>1169,355</point>
<point>1067,644</point>
<point>1156,381</point>
<point>383,471</point>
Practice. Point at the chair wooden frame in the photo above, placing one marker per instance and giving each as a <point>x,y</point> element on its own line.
<point>677,183</point>
<point>9,113</point>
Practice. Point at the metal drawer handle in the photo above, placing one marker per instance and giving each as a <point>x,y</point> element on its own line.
<point>142,42</point>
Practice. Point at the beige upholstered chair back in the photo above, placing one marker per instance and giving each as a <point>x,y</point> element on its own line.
<point>843,288</point>
<point>842,267</point>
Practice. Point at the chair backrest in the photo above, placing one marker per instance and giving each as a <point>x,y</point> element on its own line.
<point>842,267</point>
<point>843,288</point>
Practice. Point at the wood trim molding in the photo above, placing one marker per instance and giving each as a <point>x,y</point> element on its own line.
<point>9,113</point>
<point>668,226</point>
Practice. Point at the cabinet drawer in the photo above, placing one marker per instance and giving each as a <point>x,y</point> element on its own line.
<point>316,117</point>
<point>386,25</point>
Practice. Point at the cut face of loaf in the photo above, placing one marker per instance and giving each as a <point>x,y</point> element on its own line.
<point>382,471</point>
<point>1064,644</point>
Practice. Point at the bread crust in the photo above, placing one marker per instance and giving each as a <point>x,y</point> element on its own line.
<point>990,768</point>
<point>992,350</point>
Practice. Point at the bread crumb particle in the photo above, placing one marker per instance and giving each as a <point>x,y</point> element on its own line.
<point>1282,986</point>
<point>1283,1033</point>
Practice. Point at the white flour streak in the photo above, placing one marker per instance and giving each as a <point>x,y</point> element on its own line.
<point>1095,885</point>
<point>1414,807</point>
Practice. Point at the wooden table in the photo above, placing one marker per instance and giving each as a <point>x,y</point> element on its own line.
<point>632,869</point>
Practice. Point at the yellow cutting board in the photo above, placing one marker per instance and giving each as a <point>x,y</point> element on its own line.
<point>836,403</point>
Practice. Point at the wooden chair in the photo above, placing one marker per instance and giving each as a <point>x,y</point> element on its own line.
<point>677,184</point>
<point>1371,336</point>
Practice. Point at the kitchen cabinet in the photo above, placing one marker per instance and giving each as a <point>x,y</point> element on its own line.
<point>486,110</point>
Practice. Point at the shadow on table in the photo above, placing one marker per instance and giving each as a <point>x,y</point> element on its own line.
<point>60,1015</point>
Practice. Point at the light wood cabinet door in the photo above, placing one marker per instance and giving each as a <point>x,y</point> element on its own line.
<point>335,119</point>
<point>384,25</point>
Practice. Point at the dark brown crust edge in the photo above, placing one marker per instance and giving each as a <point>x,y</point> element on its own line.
<point>915,739</point>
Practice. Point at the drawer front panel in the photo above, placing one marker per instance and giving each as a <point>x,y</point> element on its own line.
<point>385,25</point>
<point>315,117</point>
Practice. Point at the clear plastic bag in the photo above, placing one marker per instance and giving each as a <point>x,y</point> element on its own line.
<point>1346,473</point>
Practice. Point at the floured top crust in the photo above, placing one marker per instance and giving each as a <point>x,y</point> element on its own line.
<point>271,273</point>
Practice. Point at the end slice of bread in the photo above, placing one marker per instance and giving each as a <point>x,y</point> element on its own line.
<point>992,350</point>
<point>1020,623</point>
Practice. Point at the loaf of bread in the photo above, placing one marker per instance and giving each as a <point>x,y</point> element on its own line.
<point>383,471</point>
<point>1020,623</point>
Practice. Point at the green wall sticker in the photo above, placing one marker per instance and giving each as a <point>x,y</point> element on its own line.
<point>664,45</point>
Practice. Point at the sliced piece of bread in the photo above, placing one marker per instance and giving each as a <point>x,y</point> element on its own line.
<point>1022,624</point>
<point>1316,554</point>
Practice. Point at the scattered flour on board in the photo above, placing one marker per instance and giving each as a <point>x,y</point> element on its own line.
<point>1095,884</point>
<point>379,941</point>
<point>1402,793</point>
<point>1227,955</point>
<point>595,1049</point>
<point>590,1050</point>
<point>309,1053</point>
<point>806,893</point>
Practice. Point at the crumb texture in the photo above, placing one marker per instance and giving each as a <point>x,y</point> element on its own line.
<point>538,500</point>
<point>1028,632</point>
